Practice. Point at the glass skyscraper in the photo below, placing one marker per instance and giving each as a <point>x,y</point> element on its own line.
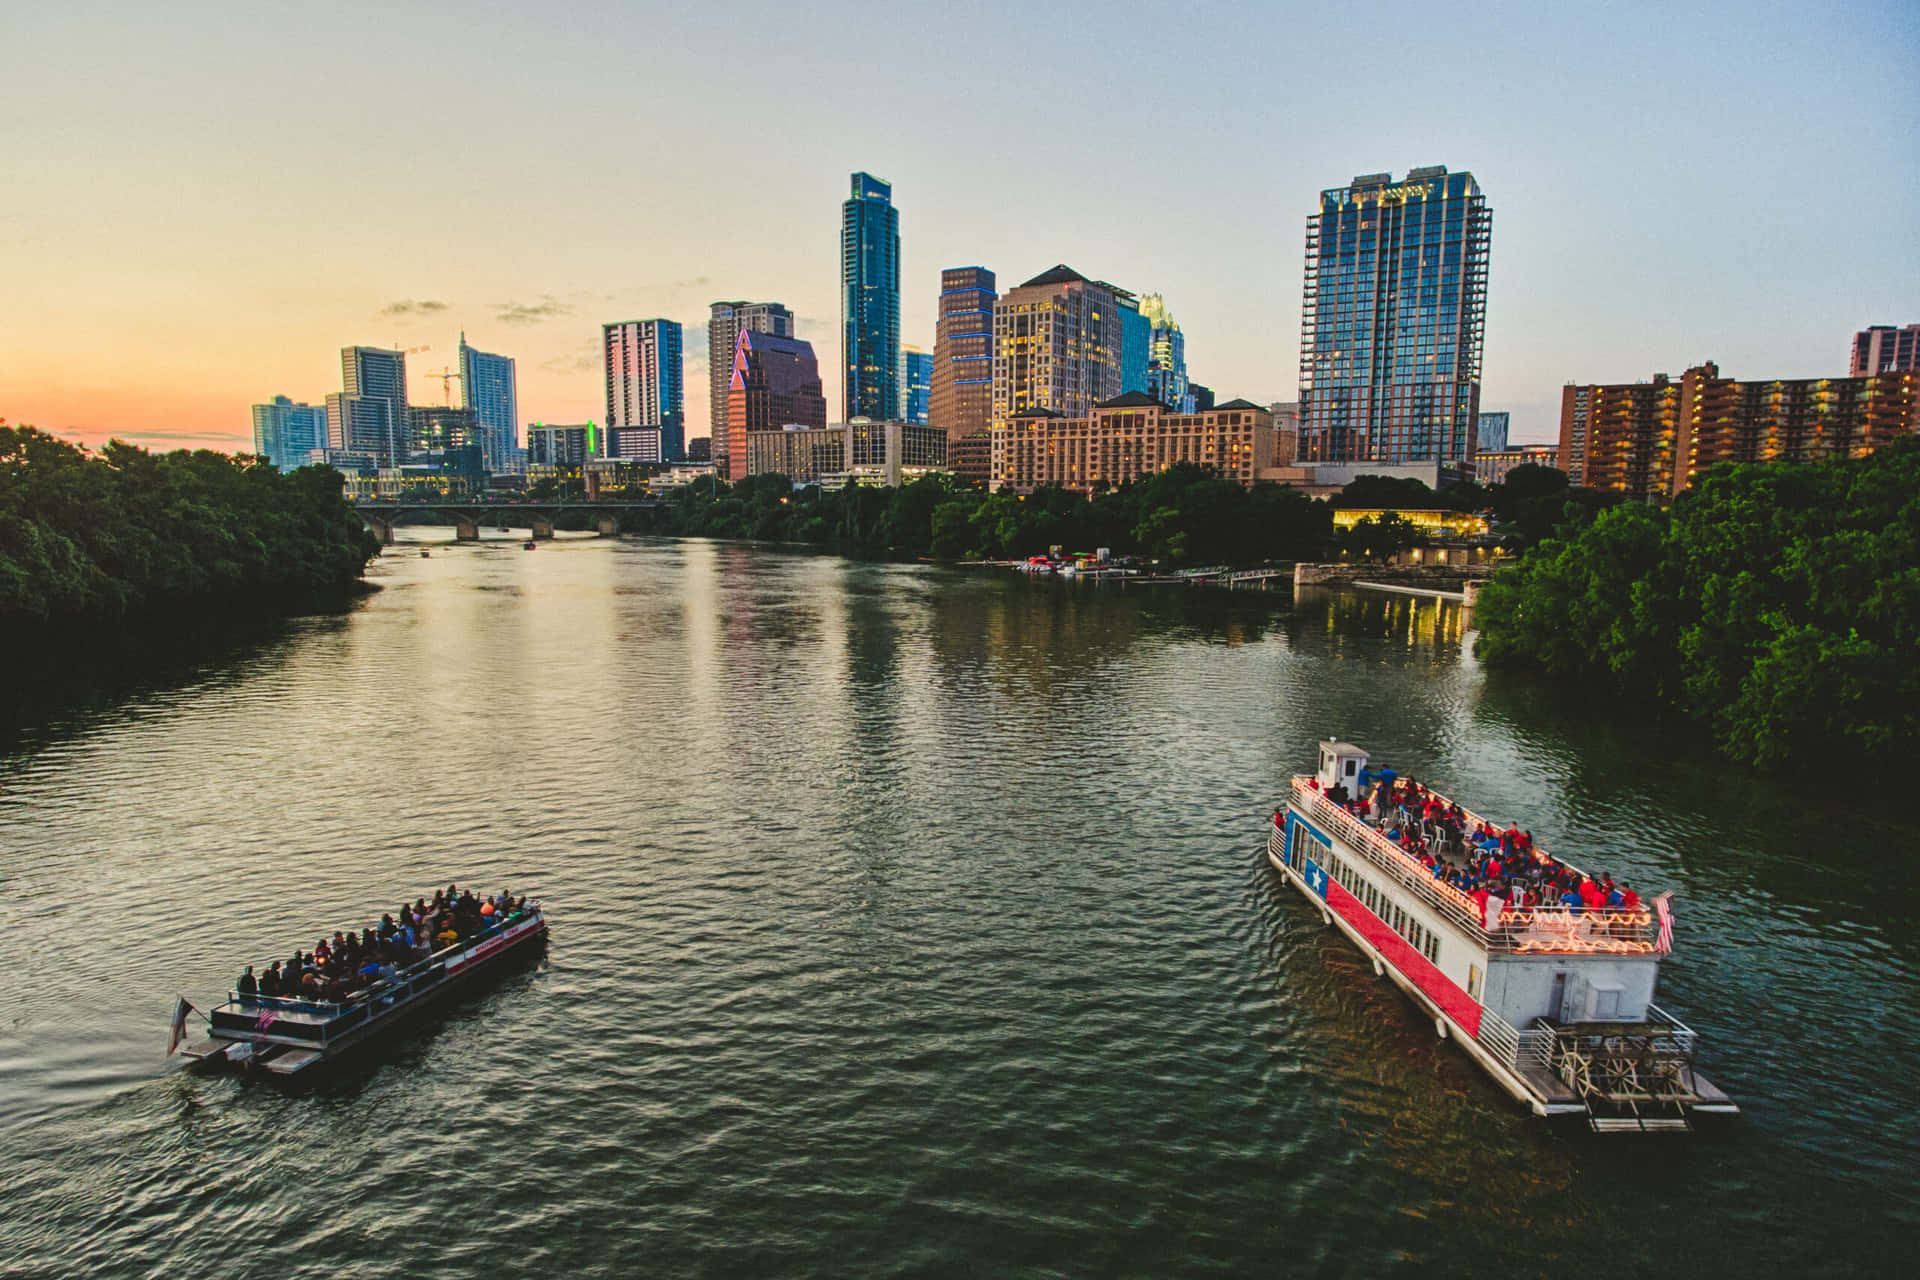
<point>488,383</point>
<point>284,433</point>
<point>916,384</point>
<point>870,300</point>
<point>369,414</point>
<point>1393,318</point>
<point>1166,355</point>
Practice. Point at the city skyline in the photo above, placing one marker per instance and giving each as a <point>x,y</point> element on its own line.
<point>260,292</point>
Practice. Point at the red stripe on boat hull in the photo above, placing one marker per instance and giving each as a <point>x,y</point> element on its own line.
<point>1399,953</point>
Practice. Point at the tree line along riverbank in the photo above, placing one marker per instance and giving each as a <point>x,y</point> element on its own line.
<point>1777,605</point>
<point>125,539</point>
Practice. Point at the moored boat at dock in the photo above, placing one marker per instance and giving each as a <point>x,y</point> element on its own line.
<point>1554,1000</point>
<point>290,1034</point>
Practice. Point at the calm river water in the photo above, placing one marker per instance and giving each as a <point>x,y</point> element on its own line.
<point>905,922</point>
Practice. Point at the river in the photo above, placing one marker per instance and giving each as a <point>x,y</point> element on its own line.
<point>906,921</point>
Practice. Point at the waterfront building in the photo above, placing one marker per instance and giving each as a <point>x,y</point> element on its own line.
<point>284,433</point>
<point>892,453</point>
<point>1056,346</point>
<point>775,383</point>
<point>801,454</point>
<point>1125,438</point>
<point>1491,435</point>
<point>442,427</point>
<point>1881,348</point>
<point>1393,318</point>
<point>570,445</point>
<point>369,415</point>
<point>646,419</point>
<point>1432,522</point>
<point>961,399</point>
<point>1650,439</point>
<point>870,300</point>
<point>1166,375</point>
<point>725,320</point>
<point>343,461</point>
<point>916,384</point>
<point>1490,466</point>
<point>489,388</point>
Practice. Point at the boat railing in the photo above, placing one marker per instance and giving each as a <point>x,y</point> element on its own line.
<point>1498,1035</point>
<point>1540,930</point>
<point>383,993</point>
<point>1679,1030</point>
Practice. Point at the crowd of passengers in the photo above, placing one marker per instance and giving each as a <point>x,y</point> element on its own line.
<point>349,963</point>
<point>1477,858</point>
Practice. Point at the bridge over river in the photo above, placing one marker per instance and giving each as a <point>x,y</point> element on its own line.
<point>467,517</point>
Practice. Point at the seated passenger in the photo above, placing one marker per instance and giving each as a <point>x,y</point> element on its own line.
<point>270,980</point>
<point>247,986</point>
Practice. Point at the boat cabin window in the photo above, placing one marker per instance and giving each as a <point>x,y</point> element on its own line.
<point>1473,982</point>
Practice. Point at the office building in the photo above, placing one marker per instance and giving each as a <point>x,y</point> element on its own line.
<point>700,449</point>
<point>369,415</point>
<point>1166,355</point>
<point>1286,431</point>
<point>1201,398</point>
<point>1491,437</point>
<point>916,384</point>
<point>488,386</point>
<point>1056,346</point>
<point>725,320</point>
<point>1136,343</point>
<point>1490,466</point>
<point>893,453</point>
<point>443,427</point>
<point>284,433</point>
<point>646,419</point>
<point>1392,319</point>
<point>1881,348</point>
<point>801,454</point>
<point>775,383</point>
<point>961,400</point>
<point>1651,439</point>
<point>870,300</point>
<point>1128,437</point>
<point>569,445</point>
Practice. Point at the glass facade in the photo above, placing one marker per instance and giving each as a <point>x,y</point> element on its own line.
<point>489,386</point>
<point>1393,318</point>
<point>1136,341</point>
<point>916,384</point>
<point>373,412</point>
<point>284,433</point>
<point>1492,434</point>
<point>725,320</point>
<point>870,300</point>
<point>1166,355</point>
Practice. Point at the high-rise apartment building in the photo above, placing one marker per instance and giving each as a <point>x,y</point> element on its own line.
<point>961,399</point>
<point>725,320</point>
<point>1492,433</point>
<point>916,384</point>
<point>1166,355</point>
<point>564,446</point>
<point>870,300</point>
<point>284,433</point>
<point>490,389</point>
<point>369,415</point>
<point>1651,439</point>
<point>1057,343</point>
<point>1881,348</point>
<point>433,426</point>
<point>775,384</point>
<point>1392,319</point>
<point>646,418</point>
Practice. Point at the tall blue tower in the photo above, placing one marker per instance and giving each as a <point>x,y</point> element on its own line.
<point>870,301</point>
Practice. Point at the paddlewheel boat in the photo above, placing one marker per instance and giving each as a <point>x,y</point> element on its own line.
<point>1555,1003</point>
<point>287,1035</point>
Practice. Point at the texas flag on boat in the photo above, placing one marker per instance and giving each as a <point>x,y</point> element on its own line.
<point>1316,877</point>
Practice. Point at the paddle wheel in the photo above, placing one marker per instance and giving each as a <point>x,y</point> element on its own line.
<point>1632,1076</point>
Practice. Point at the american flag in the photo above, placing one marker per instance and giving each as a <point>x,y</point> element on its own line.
<point>266,1020</point>
<point>1663,907</point>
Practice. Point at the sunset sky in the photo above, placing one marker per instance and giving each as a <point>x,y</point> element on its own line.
<point>207,201</point>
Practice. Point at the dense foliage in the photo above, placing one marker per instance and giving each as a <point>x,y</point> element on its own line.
<point>93,538</point>
<point>1777,604</point>
<point>1185,515</point>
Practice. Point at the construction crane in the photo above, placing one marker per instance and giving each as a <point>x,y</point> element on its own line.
<point>447,377</point>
